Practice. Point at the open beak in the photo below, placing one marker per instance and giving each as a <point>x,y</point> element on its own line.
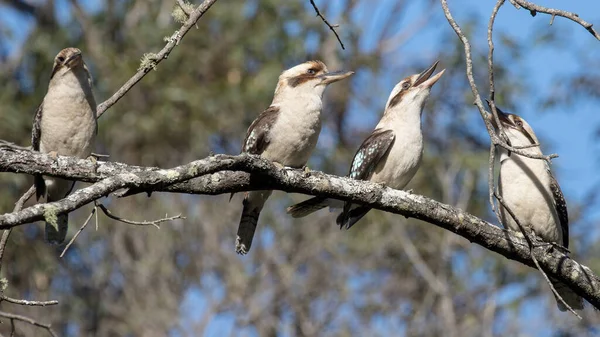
<point>425,80</point>
<point>73,58</point>
<point>502,116</point>
<point>334,76</point>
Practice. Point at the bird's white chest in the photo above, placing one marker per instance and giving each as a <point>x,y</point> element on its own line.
<point>295,133</point>
<point>524,184</point>
<point>403,159</point>
<point>68,118</point>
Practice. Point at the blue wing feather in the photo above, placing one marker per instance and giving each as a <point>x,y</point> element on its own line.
<point>369,155</point>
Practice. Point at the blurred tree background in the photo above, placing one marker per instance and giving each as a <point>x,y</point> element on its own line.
<point>303,277</point>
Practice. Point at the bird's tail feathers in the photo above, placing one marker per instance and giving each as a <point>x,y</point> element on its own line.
<point>57,225</point>
<point>350,216</point>
<point>246,229</point>
<point>571,298</point>
<point>40,186</point>
<point>253,204</point>
<point>307,207</point>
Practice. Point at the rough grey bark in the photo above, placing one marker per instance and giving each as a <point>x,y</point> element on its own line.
<point>214,175</point>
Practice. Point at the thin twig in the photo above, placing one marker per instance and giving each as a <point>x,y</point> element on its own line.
<point>493,136</point>
<point>161,55</point>
<point>139,223</point>
<point>531,246</point>
<point>491,185</point>
<point>533,8</point>
<point>312,2</point>
<point>47,327</point>
<point>478,102</point>
<point>491,103</point>
<point>78,232</point>
<point>18,206</point>
<point>26,302</point>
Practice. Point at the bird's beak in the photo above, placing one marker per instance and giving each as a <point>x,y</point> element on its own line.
<point>334,76</point>
<point>502,116</point>
<point>72,59</point>
<point>425,80</point>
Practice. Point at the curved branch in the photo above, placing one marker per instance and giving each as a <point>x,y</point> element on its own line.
<point>478,102</point>
<point>312,2</point>
<point>534,9</point>
<point>157,58</point>
<point>213,175</point>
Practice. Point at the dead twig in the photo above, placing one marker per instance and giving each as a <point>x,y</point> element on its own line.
<point>85,223</point>
<point>478,102</point>
<point>533,9</point>
<point>492,160</point>
<point>495,139</point>
<point>27,302</point>
<point>194,16</point>
<point>312,2</point>
<point>47,327</point>
<point>18,206</point>
<point>139,223</point>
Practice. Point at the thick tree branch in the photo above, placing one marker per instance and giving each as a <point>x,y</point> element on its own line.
<point>194,16</point>
<point>534,9</point>
<point>215,177</point>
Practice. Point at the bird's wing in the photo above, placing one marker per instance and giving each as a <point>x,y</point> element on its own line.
<point>561,208</point>
<point>370,153</point>
<point>36,136</point>
<point>257,137</point>
<point>365,161</point>
<point>36,131</point>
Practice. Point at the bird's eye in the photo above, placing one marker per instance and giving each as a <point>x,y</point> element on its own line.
<point>519,123</point>
<point>61,59</point>
<point>311,71</point>
<point>405,85</point>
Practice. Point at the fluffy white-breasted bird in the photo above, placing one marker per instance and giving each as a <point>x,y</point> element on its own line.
<point>285,133</point>
<point>531,192</point>
<point>392,153</point>
<point>64,124</point>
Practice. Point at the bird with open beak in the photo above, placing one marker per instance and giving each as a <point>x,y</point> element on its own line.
<point>64,124</point>
<point>392,153</point>
<point>285,133</point>
<point>531,192</point>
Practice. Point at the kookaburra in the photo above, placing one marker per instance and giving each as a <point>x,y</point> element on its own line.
<point>64,124</point>
<point>285,133</point>
<point>392,153</point>
<point>531,192</point>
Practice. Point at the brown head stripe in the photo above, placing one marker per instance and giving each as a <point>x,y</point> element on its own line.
<point>317,66</point>
<point>400,94</point>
